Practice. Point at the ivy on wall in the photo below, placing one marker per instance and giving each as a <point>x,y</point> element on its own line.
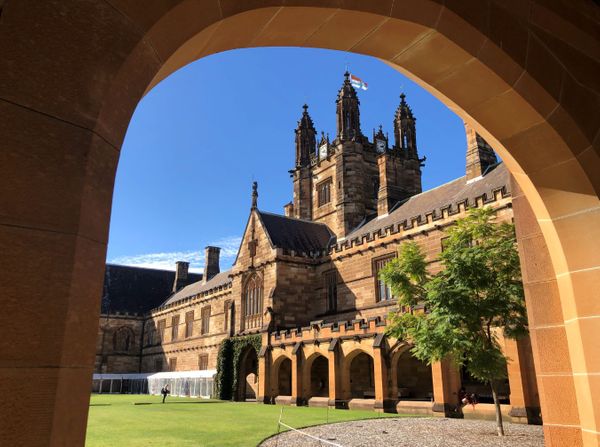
<point>228,362</point>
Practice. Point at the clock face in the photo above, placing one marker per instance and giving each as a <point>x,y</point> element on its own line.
<point>380,144</point>
<point>323,151</point>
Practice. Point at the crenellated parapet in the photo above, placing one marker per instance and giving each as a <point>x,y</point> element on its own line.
<point>420,224</point>
<point>319,332</point>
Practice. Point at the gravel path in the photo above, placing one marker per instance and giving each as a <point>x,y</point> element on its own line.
<point>414,432</point>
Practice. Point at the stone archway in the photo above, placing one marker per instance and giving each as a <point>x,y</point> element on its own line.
<point>522,74</point>
<point>362,377</point>
<point>247,385</point>
<point>319,377</point>
<point>283,377</point>
<point>413,378</point>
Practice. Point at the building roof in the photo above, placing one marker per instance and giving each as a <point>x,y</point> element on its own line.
<point>435,199</point>
<point>300,235</point>
<point>136,290</point>
<point>219,280</point>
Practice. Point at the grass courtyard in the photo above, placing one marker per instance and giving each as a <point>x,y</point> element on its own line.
<point>115,420</point>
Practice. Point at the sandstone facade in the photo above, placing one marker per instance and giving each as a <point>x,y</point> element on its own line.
<point>307,282</point>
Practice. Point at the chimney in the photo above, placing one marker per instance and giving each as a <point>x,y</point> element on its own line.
<point>211,263</point>
<point>480,155</point>
<point>181,275</point>
<point>289,209</point>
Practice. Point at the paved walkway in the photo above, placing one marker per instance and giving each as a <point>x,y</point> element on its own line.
<point>414,432</point>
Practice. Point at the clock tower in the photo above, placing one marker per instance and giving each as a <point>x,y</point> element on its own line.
<point>348,181</point>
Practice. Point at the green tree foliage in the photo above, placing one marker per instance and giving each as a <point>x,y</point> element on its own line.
<point>476,296</point>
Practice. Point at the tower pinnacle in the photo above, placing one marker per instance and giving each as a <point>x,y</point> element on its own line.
<point>347,109</point>
<point>305,138</point>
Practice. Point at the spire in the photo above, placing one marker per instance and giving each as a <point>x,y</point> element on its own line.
<point>347,109</point>
<point>405,132</point>
<point>254,195</point>
<point>305,139</point>
<point>480,155</point>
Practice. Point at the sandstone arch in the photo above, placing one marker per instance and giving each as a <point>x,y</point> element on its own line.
<point>522,73</point>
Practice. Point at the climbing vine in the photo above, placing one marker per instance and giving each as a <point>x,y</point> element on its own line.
<point>228,362</point>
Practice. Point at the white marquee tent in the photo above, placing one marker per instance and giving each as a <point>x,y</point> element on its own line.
<point>181,383</point>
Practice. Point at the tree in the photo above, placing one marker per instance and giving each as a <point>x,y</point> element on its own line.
<point>476,296</point>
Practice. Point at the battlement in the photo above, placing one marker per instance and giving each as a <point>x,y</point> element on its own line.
<point>432,220</point>
<point>318,330</point>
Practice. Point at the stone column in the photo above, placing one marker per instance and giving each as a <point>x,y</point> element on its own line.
<point>264,370</point>
<point>335,376</point>
<point>381,380</point>
<point>446,383</point>
<point>297,364</point>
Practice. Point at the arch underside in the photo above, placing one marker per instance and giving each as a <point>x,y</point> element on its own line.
<point>524,76</point>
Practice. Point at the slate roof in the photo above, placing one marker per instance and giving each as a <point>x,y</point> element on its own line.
<point>450,193</point>
<point>220,279</point>
<point>136,290</point>
<point>302,236</point>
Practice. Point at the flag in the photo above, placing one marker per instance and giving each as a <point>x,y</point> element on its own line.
<point>357,82</point>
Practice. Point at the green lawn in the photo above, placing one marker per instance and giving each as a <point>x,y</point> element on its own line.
<point>115,421</point>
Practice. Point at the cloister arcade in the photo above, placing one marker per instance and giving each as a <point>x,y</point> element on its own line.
<point>355,365</point>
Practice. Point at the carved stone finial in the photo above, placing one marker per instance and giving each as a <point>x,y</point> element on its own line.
<point>254,195</point>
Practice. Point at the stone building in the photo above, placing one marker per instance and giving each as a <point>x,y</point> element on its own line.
<point>306,283</point>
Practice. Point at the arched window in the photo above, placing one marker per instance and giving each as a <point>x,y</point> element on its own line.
<point>122,339</point>
<point>253,303</point>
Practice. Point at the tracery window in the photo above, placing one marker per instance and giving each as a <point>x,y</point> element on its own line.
<point>174,327</point>
<point>122,339</point>
<point>253,295</point>
<point>203,361</point>
<point>205,317</point>
<point>161,330</point>
<point>189,324</point>
<point>331,290</point>
<point>324,192</point>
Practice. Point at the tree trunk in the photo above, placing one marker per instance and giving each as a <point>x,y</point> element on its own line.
<point>498,412</point>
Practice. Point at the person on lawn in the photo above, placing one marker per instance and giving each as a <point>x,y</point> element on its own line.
<point>165,392</point>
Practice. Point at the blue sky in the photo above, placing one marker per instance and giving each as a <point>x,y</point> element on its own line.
<point>198,139</point>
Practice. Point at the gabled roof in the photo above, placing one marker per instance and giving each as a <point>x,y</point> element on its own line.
<point>435,199</point>
<point>219,280</point>
<point>300,235</point>
<point>136,290</point>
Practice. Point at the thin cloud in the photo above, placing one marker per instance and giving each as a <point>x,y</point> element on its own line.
<point>166,260</point>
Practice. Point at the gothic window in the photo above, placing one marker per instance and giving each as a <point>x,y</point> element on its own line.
<point>253,303</point>
<point>324,192</point>
<point>174,327</point>
<point>203,361</point>
<point>161,330</point>
<point>189,324</point>
<point>149,333</point>
<point>173,364</point>
<point>122,339</point>
<point>382,290</point>
<point>331,290</point>
<point>205,323</point>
